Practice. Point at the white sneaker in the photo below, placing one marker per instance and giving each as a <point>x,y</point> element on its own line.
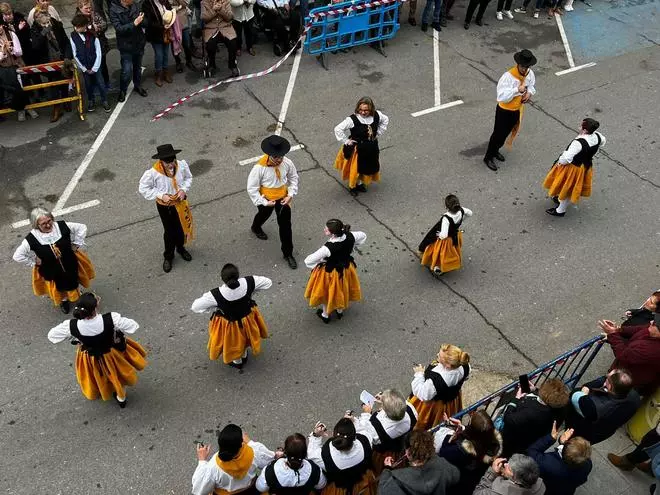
<point>569,8</point>
<point>21,115</point>
<point>536,14</point>
<point>499,16</point>
<point>33,113</point>
<point>508,14</point>
<point>521,10</point>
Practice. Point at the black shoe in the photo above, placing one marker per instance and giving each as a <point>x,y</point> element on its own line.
<point>361,188</point>
<point>167,266</point>
<point>179,67</point>
<point>277,50</point>
<point>443,22</point>
<point>339,315</point>
<point>122,403</point>
<point>65,307</point>
<point>436,272</point>
<point>185,254</point>
<point>466,25</point>
<point>319,313</point>
<point>499,156</point>
<point>235,72</point>
<point>245,360</point>
<point>555,200</point>
<point>490,163</point>
<point>425,27</point>
<point>122,97</point>
<point>260,234</point>
<point>554,212</point>
<point>141,91</point>
<point>412,21</point>
<point>479,22</point>
<point>237,366</point>
<point>293,264</point>
<point>436,26</point>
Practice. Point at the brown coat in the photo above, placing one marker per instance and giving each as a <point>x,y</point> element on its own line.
<point>217,17</point>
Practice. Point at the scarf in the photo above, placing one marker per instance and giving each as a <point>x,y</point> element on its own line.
<point>176,36</point>
<point>263,161</point>
<point>272,193</point>
<point>182,206</point>
<point>239,466</point>
<point>515,104</point>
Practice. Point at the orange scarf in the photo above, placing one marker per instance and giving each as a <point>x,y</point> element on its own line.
<point>263,161</point>
<point>239,466</point>
<point>182,206</point>
<point>272,193</point>
<point>515,104</point>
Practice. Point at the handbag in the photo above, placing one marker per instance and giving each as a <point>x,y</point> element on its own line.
<point>349,149</point>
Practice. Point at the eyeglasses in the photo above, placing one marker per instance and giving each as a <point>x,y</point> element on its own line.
<point>45,223</point>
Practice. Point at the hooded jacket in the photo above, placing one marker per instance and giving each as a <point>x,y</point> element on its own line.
<point>436,477</point>
<point>493,484</point>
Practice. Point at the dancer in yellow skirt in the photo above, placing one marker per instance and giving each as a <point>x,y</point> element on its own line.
<point>570,178</point>
<point>345,458</point>
<point>333,283</point>
<point>441,248</point>
<point>358,158</point>
<point>106,360</point>
<point>436,389</point>
<point>59,267</point>
<point>236,325</point>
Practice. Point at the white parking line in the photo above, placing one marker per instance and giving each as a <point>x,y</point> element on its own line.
<point>567,48</point>
<point>63,211</point>
<point>439,107</point>
<point>254,159</point>
<point>288,93</point>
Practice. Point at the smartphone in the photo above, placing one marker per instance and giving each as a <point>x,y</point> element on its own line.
<point>524,384</point>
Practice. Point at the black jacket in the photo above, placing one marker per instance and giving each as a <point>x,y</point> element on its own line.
<point>154,22</point>
<point>24,37</point>
<point>130,38</point>
<point>40,42</point>
<point>559,478</point>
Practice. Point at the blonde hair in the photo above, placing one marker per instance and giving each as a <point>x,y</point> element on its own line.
<point>577,451</point>
<point>82,3</point>
<point>454,356</point>
<point>554,393</point>
<point>394,404</point>
<point>5,8</point>
<point>365,100</point>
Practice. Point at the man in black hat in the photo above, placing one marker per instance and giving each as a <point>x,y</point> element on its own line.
<point>514,89</point>
<point>272,184</point>
<point>168,182</point>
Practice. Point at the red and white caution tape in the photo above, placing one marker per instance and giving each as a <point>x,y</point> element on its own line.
<point>37,69</point>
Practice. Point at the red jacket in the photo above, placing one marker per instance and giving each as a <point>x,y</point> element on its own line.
<point>635,350</point>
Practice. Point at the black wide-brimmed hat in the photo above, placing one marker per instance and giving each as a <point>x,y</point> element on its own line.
<point>165,151</point>
<point>275,146</point>
<point>525,58</point>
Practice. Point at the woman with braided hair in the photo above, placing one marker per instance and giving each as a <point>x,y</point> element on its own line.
<point>333,283</point>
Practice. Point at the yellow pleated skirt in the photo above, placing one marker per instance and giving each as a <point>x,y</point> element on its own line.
<point>368,485</point>
<point>349,169</point>
<point>569,181</point>
<point>111,372</point>
<point>228,338</point>
<point>444,254</point>
<point>43,287</point>
<point>333,290</point>
<point>430,412</point>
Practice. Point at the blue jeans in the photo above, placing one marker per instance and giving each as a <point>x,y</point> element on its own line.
<point>437,8</point>
<point>160,55</point>
<point>131,64</point>
<point>95,81</point>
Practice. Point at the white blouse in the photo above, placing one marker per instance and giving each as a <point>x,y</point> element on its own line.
<point>507,86</point>
<point>25,255</point>
<point>343,129</point>
<point>323,253</point>
<point>289,478</point>
<point>90,327</point>
<point>153,184</point>
<point>425,390</point>
<point>208,302</point>
<point>575,147</point>
<point>208,476</point>
<point>393,428</point>
<point>343,460</point>
<point>267,177</point>
<point>456,217</point>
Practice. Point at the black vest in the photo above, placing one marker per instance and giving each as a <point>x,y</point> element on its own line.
<point>346,478</point>
<point>366,136</point>
<point>95,345</point>
<point>85,49</point>
<point>238,309</point>
<point>360,132</point>
<point>340,254</point>
<point>63,271</point>
<point>432,236</point>
<point>276,488</point>
<point>444,392</point>
<point>586,154</point>
<point>386,441</point>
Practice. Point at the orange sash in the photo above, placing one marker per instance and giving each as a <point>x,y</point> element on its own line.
<point>515,104</point>
<point>272,193</point>
<point>182,206</point>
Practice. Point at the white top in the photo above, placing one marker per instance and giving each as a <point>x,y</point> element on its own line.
<point>343,460</point>
<point>92,326</point>
<point>268,4</point>
<point>208,302</point>
<point>153,184</point>
<point>267,177</point>
<point>25,255</point>
<point>16,46</point>
<point>323,253</point>
<point>440,435</point>
<point>394,429</point>
<point>51,11</point>
<point>575,147</point>
<point>97,49</point>
<point>507,86</point>
<point>242,10</point>
<point>288,477</point>
<point>343,129</point>
<point>456,217</point>
<point>425,390</point>
<point>208,475</point>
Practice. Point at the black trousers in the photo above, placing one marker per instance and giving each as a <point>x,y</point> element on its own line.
<point>505,121</point>
<point>638,455</point>
<point>504,5</point>
<point>472,6</point>
<point>283,213</point>
<point>212,47</point>
<point>172,230</point>
<point>240,28</point>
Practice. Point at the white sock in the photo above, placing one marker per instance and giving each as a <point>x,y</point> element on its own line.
<point>339,311</point>
<point>237,361</point>
<point>563,205</point>
<point>323,312</point>
<point>121,399</point>
<point>245,353</point>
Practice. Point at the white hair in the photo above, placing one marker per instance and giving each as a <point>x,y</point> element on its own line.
<point>37,213</point>
<point>394,404</point>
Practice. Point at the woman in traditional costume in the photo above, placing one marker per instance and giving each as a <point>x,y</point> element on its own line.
<point>106,360</point>
<point>59,267</point>
<point>333,283</point>
<point>236,324</point>
<point>358,159</point>
<point>442,245</point>
<point>292,474</point>
<point>570,177</point>
<point>388,427</point>
<point>345,458</point>
<point>436,389</point>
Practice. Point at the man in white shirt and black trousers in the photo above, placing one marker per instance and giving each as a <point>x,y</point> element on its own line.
<point>271,185</point>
